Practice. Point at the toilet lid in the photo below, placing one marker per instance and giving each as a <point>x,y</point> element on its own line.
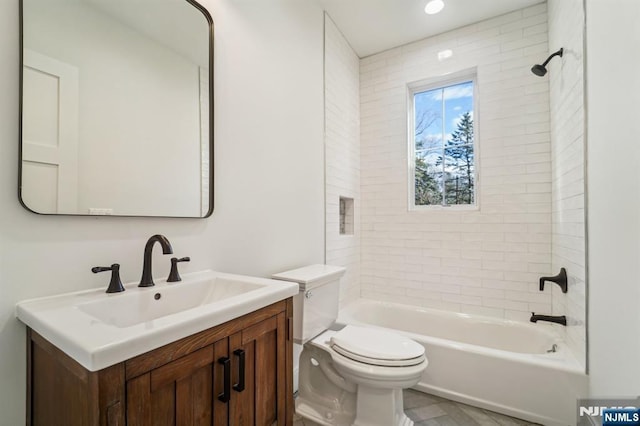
<point>377,347</point>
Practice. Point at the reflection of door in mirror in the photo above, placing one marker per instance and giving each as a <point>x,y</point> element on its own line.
<point>142,107</point>
<point>49,134</point>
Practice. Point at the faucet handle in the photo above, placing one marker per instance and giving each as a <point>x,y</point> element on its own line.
<point>115,285</point>
<point>174,276</point>
<point>560,279</point>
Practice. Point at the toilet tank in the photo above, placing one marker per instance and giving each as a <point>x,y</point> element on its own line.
<point>315,308</point>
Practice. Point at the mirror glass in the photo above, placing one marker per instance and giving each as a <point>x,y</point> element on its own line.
<point>116,108</point>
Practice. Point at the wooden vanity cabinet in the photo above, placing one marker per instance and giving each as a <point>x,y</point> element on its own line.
<point>238,373</point>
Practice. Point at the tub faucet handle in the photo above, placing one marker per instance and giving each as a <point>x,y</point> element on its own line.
<point>560,279</point>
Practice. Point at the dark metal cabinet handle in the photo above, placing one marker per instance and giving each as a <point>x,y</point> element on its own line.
<point>239,387</point>
<point>226,394</point>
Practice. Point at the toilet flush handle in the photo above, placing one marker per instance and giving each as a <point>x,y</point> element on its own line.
<point>308,294</point>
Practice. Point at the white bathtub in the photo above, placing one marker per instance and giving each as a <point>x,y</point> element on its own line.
<point>490,363</point>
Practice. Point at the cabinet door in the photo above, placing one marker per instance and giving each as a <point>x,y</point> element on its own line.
<point>181,393</point>
<point>258,355</point>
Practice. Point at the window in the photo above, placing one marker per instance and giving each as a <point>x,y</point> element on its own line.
<point>442,141</point>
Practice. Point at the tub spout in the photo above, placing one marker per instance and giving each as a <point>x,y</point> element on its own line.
<point>561,319</point>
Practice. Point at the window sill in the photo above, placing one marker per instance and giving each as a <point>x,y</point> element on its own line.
<point>450,208</point>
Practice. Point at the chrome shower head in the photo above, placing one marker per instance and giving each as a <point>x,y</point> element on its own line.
<point>541,70</point>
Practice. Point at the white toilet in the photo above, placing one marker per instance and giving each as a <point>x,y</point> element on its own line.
<point>353,376</point>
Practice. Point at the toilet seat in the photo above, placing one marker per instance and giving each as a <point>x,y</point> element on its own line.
<point>377,347</point>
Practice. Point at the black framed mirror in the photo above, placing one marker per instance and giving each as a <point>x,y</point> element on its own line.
<point>116,108</point>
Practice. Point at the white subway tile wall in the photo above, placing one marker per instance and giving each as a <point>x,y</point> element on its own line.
<point>486,261</point>
<point>566,77</point>
<point>342,145</point>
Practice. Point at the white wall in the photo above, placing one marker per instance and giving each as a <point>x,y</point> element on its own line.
<point>613,203</point>
<point>269,199</point>
<point>566,81</point>
<point>342,144</point>
<point>486,261</point>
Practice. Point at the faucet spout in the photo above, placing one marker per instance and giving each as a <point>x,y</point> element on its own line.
<point>147,278</point>
<point>561,319</point>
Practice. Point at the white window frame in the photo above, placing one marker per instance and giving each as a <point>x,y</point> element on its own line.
<point>424,86</point>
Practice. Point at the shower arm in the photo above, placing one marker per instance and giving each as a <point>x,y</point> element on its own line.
<point>558,53</point>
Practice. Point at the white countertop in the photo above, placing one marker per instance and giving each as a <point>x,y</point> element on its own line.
<point>70,322</point>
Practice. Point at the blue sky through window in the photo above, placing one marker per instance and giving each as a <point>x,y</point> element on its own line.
<point>458,99</point>
<point>444,174</point>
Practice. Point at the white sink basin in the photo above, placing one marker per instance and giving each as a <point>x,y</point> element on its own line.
<point>99,329</point>
<point>137,307</point>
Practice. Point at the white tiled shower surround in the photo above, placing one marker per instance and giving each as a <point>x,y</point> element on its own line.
<point>342,145</point>
<point>530,219</point>
<point>485,261</point>
<point>566,82</point>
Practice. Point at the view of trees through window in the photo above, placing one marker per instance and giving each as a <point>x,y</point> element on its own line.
<point>444,146</point>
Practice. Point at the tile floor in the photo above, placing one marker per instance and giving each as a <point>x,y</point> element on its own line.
<point>430,410</point>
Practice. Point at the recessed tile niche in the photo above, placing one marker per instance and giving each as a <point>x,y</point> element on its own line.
<point>346,216</point>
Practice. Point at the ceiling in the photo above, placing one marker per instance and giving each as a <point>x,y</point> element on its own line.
<point>372,26</point>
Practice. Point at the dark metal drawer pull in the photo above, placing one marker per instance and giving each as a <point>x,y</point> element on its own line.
<point>226,394</point>
<point>239,387</point>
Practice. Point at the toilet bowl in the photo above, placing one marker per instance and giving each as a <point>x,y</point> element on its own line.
<point>370,366</point>
<point>353,376</point>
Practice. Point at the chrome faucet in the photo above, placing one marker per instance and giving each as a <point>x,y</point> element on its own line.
<point>147,279</point>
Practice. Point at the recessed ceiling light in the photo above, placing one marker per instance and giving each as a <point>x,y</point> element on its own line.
<point>445,54</point>
<point>433,7</point>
